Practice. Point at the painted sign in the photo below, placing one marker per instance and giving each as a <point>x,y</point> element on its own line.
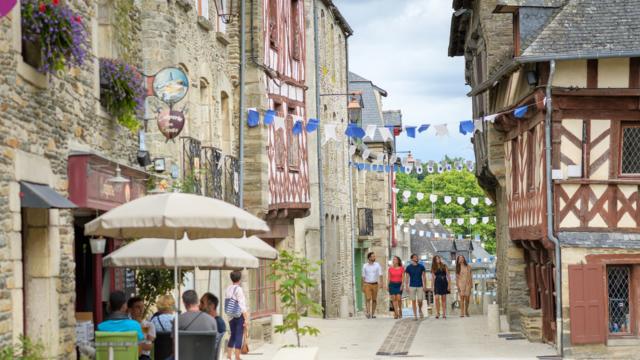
<point>170,85</point>
<point>170,123</point>
<point>6,6</point>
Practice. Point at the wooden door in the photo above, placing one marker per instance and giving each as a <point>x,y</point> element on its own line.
<point>587,304</point>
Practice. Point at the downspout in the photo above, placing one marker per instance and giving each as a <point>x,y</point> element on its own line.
<point>242,104</point>
<point>351,199</point>
<point>323,267</point>
<point>549,184</point>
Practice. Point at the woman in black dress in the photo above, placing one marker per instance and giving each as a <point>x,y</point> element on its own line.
<point>440,280</point>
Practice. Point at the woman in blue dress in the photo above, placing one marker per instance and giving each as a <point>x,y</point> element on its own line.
<point>440,280</point>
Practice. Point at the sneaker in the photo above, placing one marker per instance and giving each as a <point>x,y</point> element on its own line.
<point>373,316</point>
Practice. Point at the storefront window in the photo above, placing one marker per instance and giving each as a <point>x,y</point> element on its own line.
<point>262,297</point>
<point>618,290</point>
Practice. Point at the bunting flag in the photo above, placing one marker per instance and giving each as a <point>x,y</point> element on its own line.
<point>466,127</point>
<point>406,194</point>
<point>433,198</point>
<point>488,201</point>
<point>278,123</point>
<point>412,222</point>
<point>423,128</point>
<point>395,190</point>
<point>485,219</point>
<point>269,115</point>
<point>371,131</point>
<point>380,157</point>
<point>330,134</point>
<point>447,199</point>
<point>473,221</point>
<point>312,125</point>
<point>411,131</point>
<point>419,196</point>
<point>385,134</point>
<point>441,130</point>
<point>520,112</point>
<point>474,201</point>
<point>460,221</point>
<point>448,221</point>
<point>297,127</point>
<point>365,153</point>
<point>354,131</point>
<point>421,233</point>
<point>424,221</point>
<point>436,222</point>
<point>400,222</point>
<point>460,200</point>
<point>478,125</point>
<point>253,118</point>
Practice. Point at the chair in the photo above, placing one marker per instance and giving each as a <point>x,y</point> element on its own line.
<point>198,345</point>
<point>162,345</point>
<point>218,348</point>
<point>116,345</point>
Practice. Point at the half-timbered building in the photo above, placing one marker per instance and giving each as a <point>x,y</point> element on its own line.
<point>575,67</point>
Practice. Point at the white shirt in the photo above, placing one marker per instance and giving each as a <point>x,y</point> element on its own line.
<point>371,272</point>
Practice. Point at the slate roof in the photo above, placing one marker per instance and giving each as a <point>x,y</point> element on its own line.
<point>392,117</point>
<point>591,29</point>
<point>371,113</point>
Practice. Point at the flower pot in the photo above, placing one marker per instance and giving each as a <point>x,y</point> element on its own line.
<point>295,353</point>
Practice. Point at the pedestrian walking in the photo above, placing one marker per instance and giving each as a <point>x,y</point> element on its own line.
<point>371,282</point>
<point>396,275</point>
<point>416,284</point>
<point>464,284</point>
<point>441,285</point>
<point>235,306</point>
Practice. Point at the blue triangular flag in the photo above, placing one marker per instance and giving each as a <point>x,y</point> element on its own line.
<point>312,125</point>
<point>268,117</point>
<point>354,131</point>
<point>387,168</point>
<point>360,166</point>
<point>411,131</point>
<point>380,168</point>
<point>519,112</point>
<point>423,128</point>
<point>396,168</point>
<point>466,127</point>
<point>367,167</point>
<point>253,119</point>
<point>297,128</point>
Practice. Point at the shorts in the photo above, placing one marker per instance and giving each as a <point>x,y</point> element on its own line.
<point>370,291</point>
<point>416,293</point>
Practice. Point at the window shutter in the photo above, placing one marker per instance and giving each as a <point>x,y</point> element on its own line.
<point>586,304</point>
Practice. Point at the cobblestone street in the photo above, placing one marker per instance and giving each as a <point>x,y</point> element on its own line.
<point>453,338</point>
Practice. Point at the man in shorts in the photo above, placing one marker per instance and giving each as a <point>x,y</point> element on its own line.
<point>416,284</point>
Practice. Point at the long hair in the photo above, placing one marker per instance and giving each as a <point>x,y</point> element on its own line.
<point>437,265</point>
<point>399,261</point>
<point>459,265</point>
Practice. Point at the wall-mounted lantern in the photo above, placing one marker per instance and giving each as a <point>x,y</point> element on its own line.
<point>97,245</point>
<point>227,10</point>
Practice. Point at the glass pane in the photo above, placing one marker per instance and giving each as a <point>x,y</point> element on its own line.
<point>619,318</point>
<point>631,150</point>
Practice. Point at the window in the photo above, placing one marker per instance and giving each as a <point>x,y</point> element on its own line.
<point>203,8</point>
<point>262,293</point>
<point>279,141</point>
<point>205,112</point>
<point>273,23</point>
<point>630,149</point>
<point>618,291</point>
<point>514,166</point>
<point>293,148</point>
<point>296,32</point>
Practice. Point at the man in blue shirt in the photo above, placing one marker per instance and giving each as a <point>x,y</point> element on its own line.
<point>416,284</point>
<point>118,320</point>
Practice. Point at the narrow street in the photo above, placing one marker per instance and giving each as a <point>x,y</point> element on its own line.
<point>453,338</point>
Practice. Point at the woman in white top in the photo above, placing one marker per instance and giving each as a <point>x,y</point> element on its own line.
<point>236,307</point>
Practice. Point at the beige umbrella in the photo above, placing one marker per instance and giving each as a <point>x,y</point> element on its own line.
<point>159,253</point>
<point>253,245</point>
<point>172,215</point>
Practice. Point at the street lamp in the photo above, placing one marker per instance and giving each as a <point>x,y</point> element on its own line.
<point>226,13</point>
<point>118,179</point>
<point>354,108</point>
<point>97,245</point>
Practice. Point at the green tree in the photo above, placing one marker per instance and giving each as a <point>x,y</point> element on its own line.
<point>452,183</point>
<point>151,283</point>
<point>293,272</point>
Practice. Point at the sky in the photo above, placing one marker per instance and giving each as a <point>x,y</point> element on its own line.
<point>401,45</point>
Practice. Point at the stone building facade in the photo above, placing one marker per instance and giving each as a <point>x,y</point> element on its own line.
<point>46,120</point>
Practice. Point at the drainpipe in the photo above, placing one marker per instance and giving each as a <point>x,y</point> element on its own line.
<point>242,104</point>
<point>549,184</point>
<point>323,267</point>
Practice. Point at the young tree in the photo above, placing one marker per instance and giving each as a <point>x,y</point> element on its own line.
<point>293,275</point>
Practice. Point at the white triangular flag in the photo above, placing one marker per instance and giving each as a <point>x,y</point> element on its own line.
<point>460,200</point>
<point>436,221</point>
<point>441,130</point>
<point>278,123</point>
<point>460,221</point>
<point>393,159</point>
<point>385,134</point>
<point>477,125</point>
<point>400,221</point>
<point>381,157</point>
<point>473,221</point>
<point>424,221</point>
<point>406,229</point>
<point>447,199</point>
<point>412,222</point>
<point>421,233</point>
<point>433,198</point>
<point>413,231</point>
<point>447,221</point>
<point>406,194</point>
<point>485,219</point>
<point>371,131</point>
<point>395,190</point>
<point>491,118</point>
<point>365,153</point>
<point>329,134</point>
<point>488,201</point>
<point>408,169</point>
<point>352,148</point>
<point>474,201</point>
<point>419,196</point>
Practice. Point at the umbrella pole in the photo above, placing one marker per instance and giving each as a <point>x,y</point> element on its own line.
<point>175,282</point>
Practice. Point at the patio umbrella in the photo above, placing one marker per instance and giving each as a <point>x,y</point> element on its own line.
<point>253,245</point>
<point>204,254</point>
<point>172,216</point>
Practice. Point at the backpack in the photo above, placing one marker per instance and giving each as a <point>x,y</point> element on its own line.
<point>232,306</point>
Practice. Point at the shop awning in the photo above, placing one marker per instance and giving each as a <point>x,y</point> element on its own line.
<point>42,197</point>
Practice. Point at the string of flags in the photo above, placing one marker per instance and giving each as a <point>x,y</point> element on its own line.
<point>447,222</point>
<point>465,127</point>
<point>460,200</point>
<point>408,168</point>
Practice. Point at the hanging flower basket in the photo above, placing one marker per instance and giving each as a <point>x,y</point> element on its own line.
<point>56,32</point>
<point>122,92</point>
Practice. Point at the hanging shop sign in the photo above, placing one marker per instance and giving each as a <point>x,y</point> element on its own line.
<point>170,123</point>
<point>6,6</point>
<point>170,85</point>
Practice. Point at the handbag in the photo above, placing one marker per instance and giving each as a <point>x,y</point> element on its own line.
<point>245,343</point>
<point>232,306</point>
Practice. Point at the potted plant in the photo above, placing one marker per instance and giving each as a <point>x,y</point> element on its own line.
<point>292,273</point>
<point>53,35</point>
<point>122,92</point>
<point>26,349</point>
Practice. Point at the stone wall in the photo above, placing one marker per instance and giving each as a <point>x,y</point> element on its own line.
<point>44,119</point>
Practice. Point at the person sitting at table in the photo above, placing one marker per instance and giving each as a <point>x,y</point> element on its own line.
<point>135,307</point>
<point>162,320</point>
<point>118,319</point>
<point>193,319</point>
<point>209,304</point>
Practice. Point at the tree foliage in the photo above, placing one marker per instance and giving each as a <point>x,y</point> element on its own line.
<point>293,272</point>
<point>452,183</point>
<point>152,283</point>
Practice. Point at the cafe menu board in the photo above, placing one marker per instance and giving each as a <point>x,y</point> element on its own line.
<point>125,281</point>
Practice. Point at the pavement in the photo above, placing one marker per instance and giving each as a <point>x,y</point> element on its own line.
<point>430,338</point>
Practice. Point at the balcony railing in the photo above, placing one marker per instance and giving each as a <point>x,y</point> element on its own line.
<point>231,180</point>
<point>365,222</point>
<point>213,171</point>
<point>191,151</point>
